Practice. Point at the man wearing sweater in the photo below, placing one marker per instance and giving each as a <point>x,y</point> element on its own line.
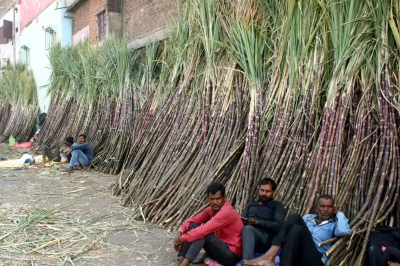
<point>82,154</point>
<point>262,219</point>
<point>300,237</point>
<point>217,229</point>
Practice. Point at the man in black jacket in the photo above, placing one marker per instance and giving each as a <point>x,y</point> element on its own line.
<point>262,219</point>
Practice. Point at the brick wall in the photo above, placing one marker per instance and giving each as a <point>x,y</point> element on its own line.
<point>144,17</point>
<point>84,14</point>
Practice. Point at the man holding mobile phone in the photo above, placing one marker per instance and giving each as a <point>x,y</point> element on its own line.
<point>261,219</point>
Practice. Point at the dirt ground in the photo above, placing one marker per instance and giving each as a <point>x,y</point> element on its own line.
<point>48,217</point>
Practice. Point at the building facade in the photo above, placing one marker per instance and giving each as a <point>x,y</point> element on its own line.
<point>96,19</point>
<point>139,21</point>
<point>42,22</point>
<point>9,32</point>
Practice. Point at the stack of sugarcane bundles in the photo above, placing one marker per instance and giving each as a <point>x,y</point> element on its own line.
<point>304,92</point>
<point>18,103</point>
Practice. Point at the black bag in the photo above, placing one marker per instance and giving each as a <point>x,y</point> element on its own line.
<point>382,236</point>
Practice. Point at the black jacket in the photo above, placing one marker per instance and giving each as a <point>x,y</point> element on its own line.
<point>270,216</point>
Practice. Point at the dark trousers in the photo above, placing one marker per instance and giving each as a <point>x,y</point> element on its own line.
<point>298,247</point>
<point>253,241</point>
<point>215,248</point>
<point>390,254</point>
<point>52,152</point>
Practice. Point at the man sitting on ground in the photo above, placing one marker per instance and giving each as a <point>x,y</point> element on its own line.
<point>53,152</point>
<point>217,229</point>
<point>299,237</point>
<point>82,154</point>
<point>262,220</point>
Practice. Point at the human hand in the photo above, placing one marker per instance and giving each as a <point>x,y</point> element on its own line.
<point>178,241</point>
<point>334,212</point>
<point>391,263</point>
<point>252,222</point>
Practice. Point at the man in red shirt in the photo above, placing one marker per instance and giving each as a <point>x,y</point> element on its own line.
<point>217,229</point>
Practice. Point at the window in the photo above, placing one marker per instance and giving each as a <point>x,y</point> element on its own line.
<point>50,37</point>
<point>24,55</point>
<point>102,24</point>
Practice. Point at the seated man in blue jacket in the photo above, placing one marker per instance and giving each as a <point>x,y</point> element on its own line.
<point>299,237</point>
<point>262,219</point>
<point>82,154</point>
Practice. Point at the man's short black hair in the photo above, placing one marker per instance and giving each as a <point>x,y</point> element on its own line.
<point>326,197</point>
<point>214,187</point>
<point>268,181</point>
<point>69,140</point>
<point>83,135</point>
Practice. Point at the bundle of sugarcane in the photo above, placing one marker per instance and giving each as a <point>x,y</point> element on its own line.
<point>247,42</point>
<point>62,95</point>
<point>5,109</point>
<point>380,188</point>
<point>173,63</point>
<point>78,98</point>
<point>217,159</point>
<point>180,154</point>
<point>19,89</point>
<point>296,86</point>
<point>128,119</point>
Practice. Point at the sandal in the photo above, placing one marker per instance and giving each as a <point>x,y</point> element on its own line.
<point>69,169</point>
<point>200,258</point>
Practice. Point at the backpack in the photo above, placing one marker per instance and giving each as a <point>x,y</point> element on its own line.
<point>382,236</point>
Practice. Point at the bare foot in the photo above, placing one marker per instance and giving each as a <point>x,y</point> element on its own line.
<point>261,261</point>
<point>185,262</point>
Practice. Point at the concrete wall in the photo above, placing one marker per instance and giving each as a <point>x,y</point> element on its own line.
<point>145,20</point>
<point>115,24</point>
<point>33,36</point>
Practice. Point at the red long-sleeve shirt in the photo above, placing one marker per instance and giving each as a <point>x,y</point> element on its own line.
<point>225,224</point>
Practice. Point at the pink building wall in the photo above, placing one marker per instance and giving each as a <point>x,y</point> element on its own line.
<point>30,9</point>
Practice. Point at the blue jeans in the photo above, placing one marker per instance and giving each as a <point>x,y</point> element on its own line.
<point>78,157</point>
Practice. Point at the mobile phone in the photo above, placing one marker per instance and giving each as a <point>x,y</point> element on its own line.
<point>244,219</point>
